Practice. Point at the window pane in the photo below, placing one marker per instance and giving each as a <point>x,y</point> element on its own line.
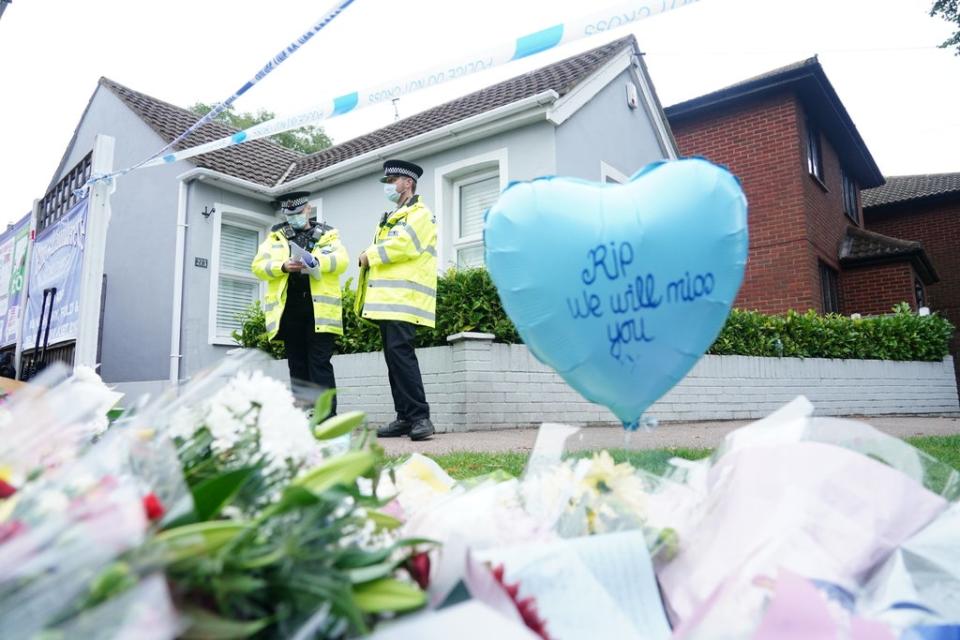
<point>238,246</point>
<point>829,290</point>
<point>475,199</point>
<point>471,256</point>
<point>233,298</point>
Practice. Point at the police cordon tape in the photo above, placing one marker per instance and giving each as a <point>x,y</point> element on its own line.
<point>272,64</point>
<point>516,49</point>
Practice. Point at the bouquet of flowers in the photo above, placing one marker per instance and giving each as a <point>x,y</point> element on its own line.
<point>261,522</point>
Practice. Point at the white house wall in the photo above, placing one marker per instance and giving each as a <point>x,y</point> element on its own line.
<point>140,243</point>
<point>607,130</point>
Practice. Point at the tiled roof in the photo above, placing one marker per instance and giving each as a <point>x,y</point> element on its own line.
<point>260,161</point>
<point>906,188</point>
<point>265,162</point>
<point>867,247</point>
<point>560,76</point>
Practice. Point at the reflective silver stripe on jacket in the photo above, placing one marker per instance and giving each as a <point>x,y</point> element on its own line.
<point>268,267</point>
<point>414,237</point>
<point>278,245</point>
<point>404,284</point>
<point>271,327</point>
<point>327,300</point>
<point>324,322</point>
<point>383,254</point>
<point>432,251</point>
<point>269,306</point>
<point>399,308</point>
<point>333,263</point>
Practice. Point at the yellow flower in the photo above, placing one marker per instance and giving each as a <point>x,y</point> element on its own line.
<point>604,474</point>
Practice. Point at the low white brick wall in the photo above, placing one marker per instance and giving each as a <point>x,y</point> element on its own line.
<point>477,384</point>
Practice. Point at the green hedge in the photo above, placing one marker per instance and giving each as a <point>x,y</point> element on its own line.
<point>467,301</point>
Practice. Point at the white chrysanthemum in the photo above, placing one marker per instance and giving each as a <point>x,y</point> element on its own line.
<point>224,426</point>
<point>254,406</point>
<point>183,424</point>
<point>87,382</point>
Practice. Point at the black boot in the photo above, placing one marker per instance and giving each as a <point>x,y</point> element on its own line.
<point>422,429</point>
<point>395,429</point>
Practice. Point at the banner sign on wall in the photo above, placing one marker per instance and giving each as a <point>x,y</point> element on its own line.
<point>56,265</point>
<point>13,266</point>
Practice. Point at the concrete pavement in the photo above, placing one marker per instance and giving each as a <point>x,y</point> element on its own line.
<point>680,434</point>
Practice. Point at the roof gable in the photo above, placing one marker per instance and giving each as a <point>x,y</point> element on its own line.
<point>809,82</point>
<point>261,161</point>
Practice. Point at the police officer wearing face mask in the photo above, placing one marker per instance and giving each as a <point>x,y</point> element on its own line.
<point>301,261</point>
<point>398,291</point>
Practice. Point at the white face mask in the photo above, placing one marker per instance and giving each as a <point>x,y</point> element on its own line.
<point>390,191</point>
<point>297,220</point>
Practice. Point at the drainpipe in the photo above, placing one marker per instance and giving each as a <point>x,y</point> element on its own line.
<point>179,261</point>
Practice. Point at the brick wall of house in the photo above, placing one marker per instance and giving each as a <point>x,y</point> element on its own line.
<point>874,290</point>
<point>793,220</point>
<point>826,221</point>
<point>937,226</point>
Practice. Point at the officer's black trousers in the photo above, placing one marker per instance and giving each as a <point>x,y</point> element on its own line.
<point>409,399</point>
<point>308,356</point>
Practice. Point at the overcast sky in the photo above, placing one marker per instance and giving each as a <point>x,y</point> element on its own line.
<point>901,91</point>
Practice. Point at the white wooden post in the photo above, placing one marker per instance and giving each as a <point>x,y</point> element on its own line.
<point>94,248</point>
<point>22,341</point>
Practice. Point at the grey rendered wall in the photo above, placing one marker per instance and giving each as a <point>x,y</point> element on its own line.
<point>606,129</point>
<point>195,345</point>
<point>140,244</point>
<point>355,207</point>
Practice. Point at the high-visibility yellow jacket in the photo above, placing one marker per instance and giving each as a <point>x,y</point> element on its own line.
<point>401,282</point>
<point>324,278</point>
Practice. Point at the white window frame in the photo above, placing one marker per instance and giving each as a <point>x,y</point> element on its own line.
<point>461,242</point>
<point>609,171</point>
<point>446,180</point>
<point>243,218</point>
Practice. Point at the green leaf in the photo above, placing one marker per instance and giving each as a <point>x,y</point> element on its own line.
<point>371,572</point>
<point>387,594</point>
<point>192,540</point>
<point>211,495</point>
<point>383,521</point>
<point>114,414</point>
<point>293,498</point>
<point>323,406</point>
<point>339,425</point>
<point>208,626</point>
<point>355,558</point>
<point>115,578</point>
<point>239,584</point>
<point>344,469</point>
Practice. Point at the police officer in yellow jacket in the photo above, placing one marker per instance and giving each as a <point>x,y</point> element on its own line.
<point>398,291</point>
<point>301,261</point>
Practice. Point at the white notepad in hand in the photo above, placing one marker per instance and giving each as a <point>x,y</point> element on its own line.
<point>299,253</point>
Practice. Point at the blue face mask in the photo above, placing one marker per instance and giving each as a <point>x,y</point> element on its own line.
<point>297,220</point>
<point>391,193</point>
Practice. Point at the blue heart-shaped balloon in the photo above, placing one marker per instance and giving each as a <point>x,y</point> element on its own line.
<point>620,288</point>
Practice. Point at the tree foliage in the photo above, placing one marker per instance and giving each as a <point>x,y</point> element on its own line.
<point>305,139</point>
<point>949,10</point>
